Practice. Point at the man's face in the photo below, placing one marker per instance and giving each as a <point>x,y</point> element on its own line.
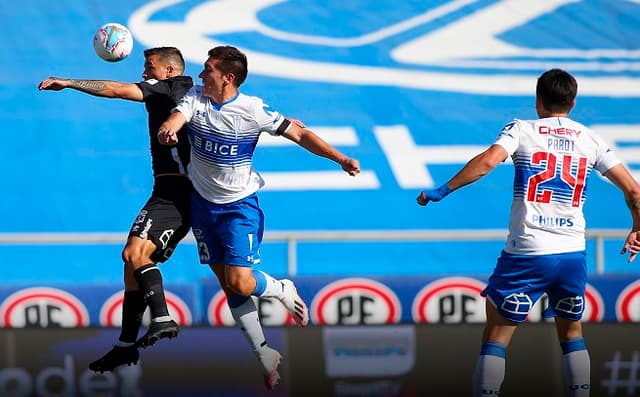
<point>213,79</point>
<point>154,69</point>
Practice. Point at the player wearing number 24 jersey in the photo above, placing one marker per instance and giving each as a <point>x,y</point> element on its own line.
<point>552,156</point>
<point>545,249</point>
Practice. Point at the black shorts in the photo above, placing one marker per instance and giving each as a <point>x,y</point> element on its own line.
<point>165,219</point>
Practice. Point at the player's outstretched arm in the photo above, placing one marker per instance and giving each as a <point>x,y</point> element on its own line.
<point>318,146</point>
<point>168,131</point>
<point>475,169</point>
<point>101,88</point>
<point>621,177</point>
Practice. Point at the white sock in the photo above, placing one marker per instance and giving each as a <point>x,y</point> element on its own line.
<point>246,316</point>
<point>577,367</point>
<point>489,372</point>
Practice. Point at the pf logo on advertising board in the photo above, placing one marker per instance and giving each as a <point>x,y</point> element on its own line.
<point>111,310</point>
<point>628,303</point>
<point>43,307</point>
<point>450,300</point>
<point>355,301</point>
<point>270,311</point>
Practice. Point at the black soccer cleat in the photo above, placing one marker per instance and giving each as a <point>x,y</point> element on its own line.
<point>114,358</point>
<point>157,331</point>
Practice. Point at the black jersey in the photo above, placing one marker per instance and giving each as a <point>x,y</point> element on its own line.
<point>160,97</point>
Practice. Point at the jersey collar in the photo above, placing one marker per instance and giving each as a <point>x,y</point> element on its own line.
<point>217,106</point>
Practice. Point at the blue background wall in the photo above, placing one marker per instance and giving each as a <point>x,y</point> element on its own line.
<point>402,79</point>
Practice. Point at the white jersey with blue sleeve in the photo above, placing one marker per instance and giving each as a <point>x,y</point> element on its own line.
<point>223,138</point>
<point>553,158</point>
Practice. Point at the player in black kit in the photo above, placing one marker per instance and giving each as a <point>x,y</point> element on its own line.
<point>165,218</point>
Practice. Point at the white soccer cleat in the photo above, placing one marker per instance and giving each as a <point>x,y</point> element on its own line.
<point>270,360</point>
<point>294,303</point>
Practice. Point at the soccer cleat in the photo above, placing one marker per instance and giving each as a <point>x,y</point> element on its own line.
<point>294,303</point>
<point>116,357</point>
<point>270,360</point>
<point>157,331</point>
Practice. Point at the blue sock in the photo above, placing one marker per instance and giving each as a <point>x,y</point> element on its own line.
<point>267,286</point>
<point>261,282</point>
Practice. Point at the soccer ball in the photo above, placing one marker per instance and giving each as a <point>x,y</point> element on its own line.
<point>113,42</point>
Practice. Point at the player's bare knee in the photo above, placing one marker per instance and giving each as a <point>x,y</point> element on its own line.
<point>134,258</point>
<point>138,252</point>
<point>241,285</point>
<point>568,330</point>
<point>128,256</point>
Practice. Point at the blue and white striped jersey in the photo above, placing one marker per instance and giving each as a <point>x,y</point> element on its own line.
<point>553,158</point>
<point>223,138</point>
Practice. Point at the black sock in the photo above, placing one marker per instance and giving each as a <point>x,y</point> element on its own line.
<point>133,308</point>
<point>150,281</point>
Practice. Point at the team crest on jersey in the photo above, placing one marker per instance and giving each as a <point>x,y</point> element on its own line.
<point>450,300</point>
<point>43,307</point>
<point>628,303</point>
<point>111,310</point>
<point>270,311</point>
<point>355,301</point>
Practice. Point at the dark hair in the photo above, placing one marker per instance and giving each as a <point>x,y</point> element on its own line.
<point>168,55</point>
<point>557,90</point>
<point>232,60</point>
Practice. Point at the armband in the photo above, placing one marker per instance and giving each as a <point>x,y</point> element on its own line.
<point>283,127</point>
<point>444,190</point>
<point>437,194</point>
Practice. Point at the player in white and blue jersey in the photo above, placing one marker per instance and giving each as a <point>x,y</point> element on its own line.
<point>227,222</point>
<point>545,249</point>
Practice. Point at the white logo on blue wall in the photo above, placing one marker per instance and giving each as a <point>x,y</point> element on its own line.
<point>431,49</point>
<point>427,50</point>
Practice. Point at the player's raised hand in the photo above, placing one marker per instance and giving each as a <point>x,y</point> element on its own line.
<point>422,199</point>
<point>433,194</point>
<point>53,84</point>
<point>632,245</point>
<point>351,166</point>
